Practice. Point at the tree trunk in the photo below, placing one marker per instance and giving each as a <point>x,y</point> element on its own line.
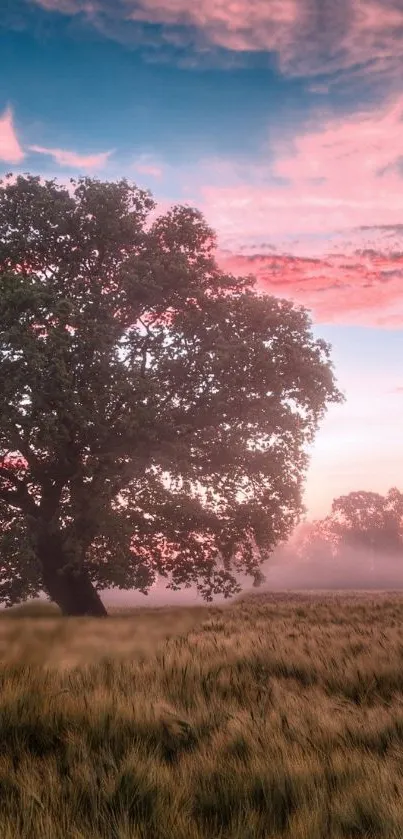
<point>74,593</point>
<point>71,589</point>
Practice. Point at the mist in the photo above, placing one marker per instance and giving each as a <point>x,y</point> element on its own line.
<point>352,569</point>
<point>287,569</point>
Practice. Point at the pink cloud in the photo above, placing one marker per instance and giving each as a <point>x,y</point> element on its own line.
<point>340,175</point>
<point>74,160</point>
<point>358,293</point>
<point>245,25</point>
<point>149,169</point>
<point>10,149</point>
<point>154,171</point>
<point>358,147</point>
<point>343,175</point>
<point>309,36</point>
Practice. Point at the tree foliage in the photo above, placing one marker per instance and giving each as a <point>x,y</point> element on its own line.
<point>154,411</point>
<point>363,521</point>
<point>370,520</point>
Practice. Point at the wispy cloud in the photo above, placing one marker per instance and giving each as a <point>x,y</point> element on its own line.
<point>310,37</point>
<point>74,160</point>
<point>145,165</point>
<point>147,169</point>
<point>66,7</point>
<point>341,174</point>
<point>366,290</point>
<point>10,148</point>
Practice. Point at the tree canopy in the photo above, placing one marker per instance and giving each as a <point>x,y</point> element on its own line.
<point>361,520</point>
<point>155,411</point>
<point>370,520</point>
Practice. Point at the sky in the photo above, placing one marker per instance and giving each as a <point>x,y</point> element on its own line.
<point>282,120</point>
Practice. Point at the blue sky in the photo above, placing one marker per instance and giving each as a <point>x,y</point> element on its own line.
<point>101,95</point>
<point>282,121</point>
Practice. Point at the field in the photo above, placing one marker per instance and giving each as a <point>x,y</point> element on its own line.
<point>278,715</point>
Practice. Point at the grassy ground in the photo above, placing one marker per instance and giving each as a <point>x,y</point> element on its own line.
<point>276,716</point>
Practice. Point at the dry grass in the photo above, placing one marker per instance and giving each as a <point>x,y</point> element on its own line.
<point>276,716</point>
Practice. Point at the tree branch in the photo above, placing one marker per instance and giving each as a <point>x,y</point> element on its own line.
<point>19,497</point>
<point>23,447</point>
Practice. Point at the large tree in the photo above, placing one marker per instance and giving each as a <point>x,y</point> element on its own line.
<point>154,411</point>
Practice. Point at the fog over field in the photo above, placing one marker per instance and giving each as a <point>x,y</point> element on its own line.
<point>284,572</point>
<point>352,570</point>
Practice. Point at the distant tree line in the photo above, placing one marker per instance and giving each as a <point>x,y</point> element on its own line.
<point>361,521</point>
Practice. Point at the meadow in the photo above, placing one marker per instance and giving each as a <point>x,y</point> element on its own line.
<point>276,715</point>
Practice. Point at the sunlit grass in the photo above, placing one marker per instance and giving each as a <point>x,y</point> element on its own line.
<point>276,715</point>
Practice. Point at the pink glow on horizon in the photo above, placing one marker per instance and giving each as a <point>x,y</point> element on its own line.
<point>358,447</point>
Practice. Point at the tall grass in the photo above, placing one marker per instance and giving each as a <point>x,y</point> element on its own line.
<point>275,716</point>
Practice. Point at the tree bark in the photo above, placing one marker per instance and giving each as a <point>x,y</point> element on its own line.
<point>71,589</point>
